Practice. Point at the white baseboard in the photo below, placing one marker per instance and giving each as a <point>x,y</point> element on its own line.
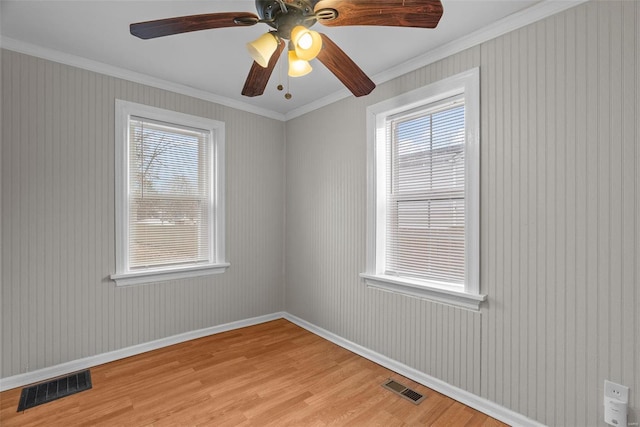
<point>476,402</point>
<point>88,362</point>
<point>486,406</point>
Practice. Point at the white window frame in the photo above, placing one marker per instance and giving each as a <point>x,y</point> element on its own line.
<point>124,276</point>
<point>467,84</point>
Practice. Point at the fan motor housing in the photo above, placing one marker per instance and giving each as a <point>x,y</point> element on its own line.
<point>284,19</point>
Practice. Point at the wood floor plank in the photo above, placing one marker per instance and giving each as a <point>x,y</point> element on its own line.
<point>272,374</point>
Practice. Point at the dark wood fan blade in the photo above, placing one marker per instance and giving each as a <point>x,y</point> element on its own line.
<point>259,76</point>
<point>344,68</point>
<point>390,13</point>
<point>185,24</point>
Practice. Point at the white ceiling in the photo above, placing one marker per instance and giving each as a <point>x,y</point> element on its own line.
<point>215,61</point>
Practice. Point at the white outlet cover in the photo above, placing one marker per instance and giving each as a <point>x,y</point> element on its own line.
<point>616,391</point>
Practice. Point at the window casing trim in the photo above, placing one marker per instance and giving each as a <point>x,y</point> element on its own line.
<point>124,276</point>
<point>468,296</point>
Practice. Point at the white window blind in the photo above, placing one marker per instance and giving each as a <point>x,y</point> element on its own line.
<point>170,192</point>
<point>425,193</point>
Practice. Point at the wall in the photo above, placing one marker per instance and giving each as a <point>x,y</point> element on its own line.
<point>57,177</point>
<point>560,222</point>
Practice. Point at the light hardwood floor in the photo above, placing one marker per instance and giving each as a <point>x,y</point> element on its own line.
<point>275,373</point>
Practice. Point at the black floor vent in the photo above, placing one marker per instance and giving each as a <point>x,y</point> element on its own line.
<point>403,391</point>
<point>47,391</point>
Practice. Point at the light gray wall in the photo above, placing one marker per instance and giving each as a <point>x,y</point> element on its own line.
<point>57,178</point>
<point>560,222</point>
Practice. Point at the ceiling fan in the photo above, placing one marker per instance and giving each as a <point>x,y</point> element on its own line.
<point>291,20</point>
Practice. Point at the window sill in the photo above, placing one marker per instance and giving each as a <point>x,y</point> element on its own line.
<point>153,276</point>
<point>418,290</point>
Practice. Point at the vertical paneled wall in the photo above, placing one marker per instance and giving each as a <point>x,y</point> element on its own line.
<point>326,222</point>
<point>560,222</point>
<point>57,189</point>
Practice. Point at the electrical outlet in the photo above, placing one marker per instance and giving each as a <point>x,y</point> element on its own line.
<point>616,391</point>
<point>616,399</point>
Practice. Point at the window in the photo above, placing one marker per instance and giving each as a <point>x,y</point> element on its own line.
<point>423,194</point>
<point>169,195</point>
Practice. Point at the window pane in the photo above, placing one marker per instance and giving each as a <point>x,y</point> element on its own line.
<point>169,195</point>
<point>425,195</point>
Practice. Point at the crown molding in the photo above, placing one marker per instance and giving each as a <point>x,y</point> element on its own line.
<point>122,73</point>
<point>510,23</point>
<point>507,24</point>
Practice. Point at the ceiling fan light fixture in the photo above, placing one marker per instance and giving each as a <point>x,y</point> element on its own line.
<point>298,67</point>
<point>262,48</point>
<point>290,20</point>
<point>307,43</point>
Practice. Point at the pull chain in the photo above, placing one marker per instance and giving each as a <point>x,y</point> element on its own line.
<point>288,94</point>
<point>280,87</point>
